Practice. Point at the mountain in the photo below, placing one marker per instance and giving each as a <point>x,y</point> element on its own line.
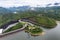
<point>20,8</point>
<point>26,8</point>
<point>4,10</point>
<point>14,9</point>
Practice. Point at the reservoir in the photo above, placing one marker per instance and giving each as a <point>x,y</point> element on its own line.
<point>50,34</point>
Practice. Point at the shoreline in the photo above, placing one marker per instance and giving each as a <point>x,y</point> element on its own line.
<point>11,32</point>
<point>15,31</point>
<point>38,34</point>
<point>58,21</point>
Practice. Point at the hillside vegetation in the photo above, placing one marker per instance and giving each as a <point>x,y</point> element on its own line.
<point>40,18</point>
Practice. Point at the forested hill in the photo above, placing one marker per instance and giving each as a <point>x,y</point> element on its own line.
<point>53,9</point>
<point>4,10</point>
<point>8,14</point>
<point>52,12</point>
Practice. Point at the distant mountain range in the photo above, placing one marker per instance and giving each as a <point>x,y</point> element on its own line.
<point>14,9</point>
<point>21,8</point>
<point>4,10</point>
<point>25,8</point>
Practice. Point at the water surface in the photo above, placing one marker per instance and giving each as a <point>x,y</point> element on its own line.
<point>50,34</point>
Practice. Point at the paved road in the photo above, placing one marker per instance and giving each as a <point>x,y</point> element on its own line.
<point>15,31</point>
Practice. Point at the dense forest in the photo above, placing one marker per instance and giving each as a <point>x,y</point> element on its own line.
<point>40,15</point>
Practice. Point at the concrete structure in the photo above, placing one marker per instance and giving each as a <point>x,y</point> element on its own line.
<point>7,26</point>
<point>1,31</point>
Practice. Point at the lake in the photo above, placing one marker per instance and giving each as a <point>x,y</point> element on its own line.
<point>50,34</point>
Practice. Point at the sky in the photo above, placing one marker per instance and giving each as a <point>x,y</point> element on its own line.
<point>32,3</point>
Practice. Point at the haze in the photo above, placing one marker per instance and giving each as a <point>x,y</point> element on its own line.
<point>32,3</point>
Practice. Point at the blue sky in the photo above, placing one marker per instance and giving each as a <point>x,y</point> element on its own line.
<point>32,3</point>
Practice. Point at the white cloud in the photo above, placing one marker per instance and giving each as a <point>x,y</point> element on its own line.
<point>11,3</point>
